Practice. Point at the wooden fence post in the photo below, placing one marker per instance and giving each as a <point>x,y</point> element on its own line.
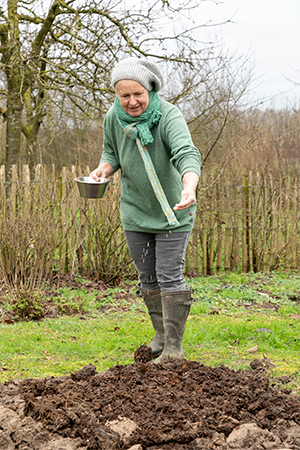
<point>195,246</point>
<point>272,222</point>
<point>13,190</point>
<point>212,233</point>
<point>203,219</point>
<point>286,223</point>
<point>279,223</point>
<point>245,225</point>
<point>250,221</point>
<point>2,191</point>
<point>219,206</point>
<point>256,221</point>
<point>227,264</point>
<point>53,191</point>
<point>72,208</point>
<point>264,222</point>
<point>236,235</point>
<point>89,215</point>
<point>26,181</point>
<point>63,264</point>
<point>294,239</point>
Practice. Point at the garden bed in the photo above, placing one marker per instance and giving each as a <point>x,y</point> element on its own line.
<point>180,404</point>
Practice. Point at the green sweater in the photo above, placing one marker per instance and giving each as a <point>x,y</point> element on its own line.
<point>173,154</point>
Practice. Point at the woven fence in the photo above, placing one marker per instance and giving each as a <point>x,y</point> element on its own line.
<point>250,223</point>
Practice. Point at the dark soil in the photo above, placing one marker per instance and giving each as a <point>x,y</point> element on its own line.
<point>179,404</point>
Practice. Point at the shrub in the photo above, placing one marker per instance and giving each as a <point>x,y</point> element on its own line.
<point>27,305</point>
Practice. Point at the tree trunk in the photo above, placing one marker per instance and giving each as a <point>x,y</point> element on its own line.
<point>31,149</point>
<point>13,129</point>
<point>34,118</point>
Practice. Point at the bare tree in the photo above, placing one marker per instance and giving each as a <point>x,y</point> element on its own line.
<point>69,47</point>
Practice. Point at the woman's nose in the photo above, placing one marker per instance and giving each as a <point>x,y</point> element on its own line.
<point>132,100</point>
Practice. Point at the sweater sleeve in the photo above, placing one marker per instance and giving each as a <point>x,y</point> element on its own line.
<point>184,155</point>
<point>110,154</point>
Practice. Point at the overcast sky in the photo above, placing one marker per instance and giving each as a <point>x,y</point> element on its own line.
<point>268,31</point>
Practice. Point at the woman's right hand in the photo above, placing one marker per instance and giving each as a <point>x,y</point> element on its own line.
<point>104,170</point>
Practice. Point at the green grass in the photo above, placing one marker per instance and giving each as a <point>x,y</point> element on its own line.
<point>106,328</point>
<point>60,346</point>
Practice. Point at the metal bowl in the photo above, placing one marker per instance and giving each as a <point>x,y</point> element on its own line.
<point>90,188</point>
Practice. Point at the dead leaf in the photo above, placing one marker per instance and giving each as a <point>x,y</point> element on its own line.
<point>253,349</point>
<point>295,316</point>
<point>263,330</point>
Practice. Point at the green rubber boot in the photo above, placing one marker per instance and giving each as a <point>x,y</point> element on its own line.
<point>176,306</point>
<point>152,299</point>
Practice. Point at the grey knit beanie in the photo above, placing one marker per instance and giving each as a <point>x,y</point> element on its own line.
<point>141,70</point>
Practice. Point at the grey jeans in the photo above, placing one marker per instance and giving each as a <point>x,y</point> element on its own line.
<point>159,258</point>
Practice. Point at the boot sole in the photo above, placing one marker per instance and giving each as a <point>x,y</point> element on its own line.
<point>156,354</point>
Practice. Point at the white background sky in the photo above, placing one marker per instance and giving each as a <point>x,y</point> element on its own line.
<point>269,32</point>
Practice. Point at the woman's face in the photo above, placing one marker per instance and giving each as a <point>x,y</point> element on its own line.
<point>134,98</point>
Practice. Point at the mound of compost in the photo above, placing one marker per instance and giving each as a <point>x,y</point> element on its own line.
<point>178,404</point>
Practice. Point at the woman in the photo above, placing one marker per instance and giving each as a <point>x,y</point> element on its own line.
<point>148,139</point>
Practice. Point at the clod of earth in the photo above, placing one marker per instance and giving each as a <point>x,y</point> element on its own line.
<point>178,404</point>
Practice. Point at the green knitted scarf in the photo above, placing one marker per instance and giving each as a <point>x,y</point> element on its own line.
<point>144,122</point>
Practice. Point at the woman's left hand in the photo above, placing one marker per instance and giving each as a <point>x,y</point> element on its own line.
<point>190,181</point>
<point>187,199</point>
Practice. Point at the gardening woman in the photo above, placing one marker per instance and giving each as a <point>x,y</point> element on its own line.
<point>148,139</point>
